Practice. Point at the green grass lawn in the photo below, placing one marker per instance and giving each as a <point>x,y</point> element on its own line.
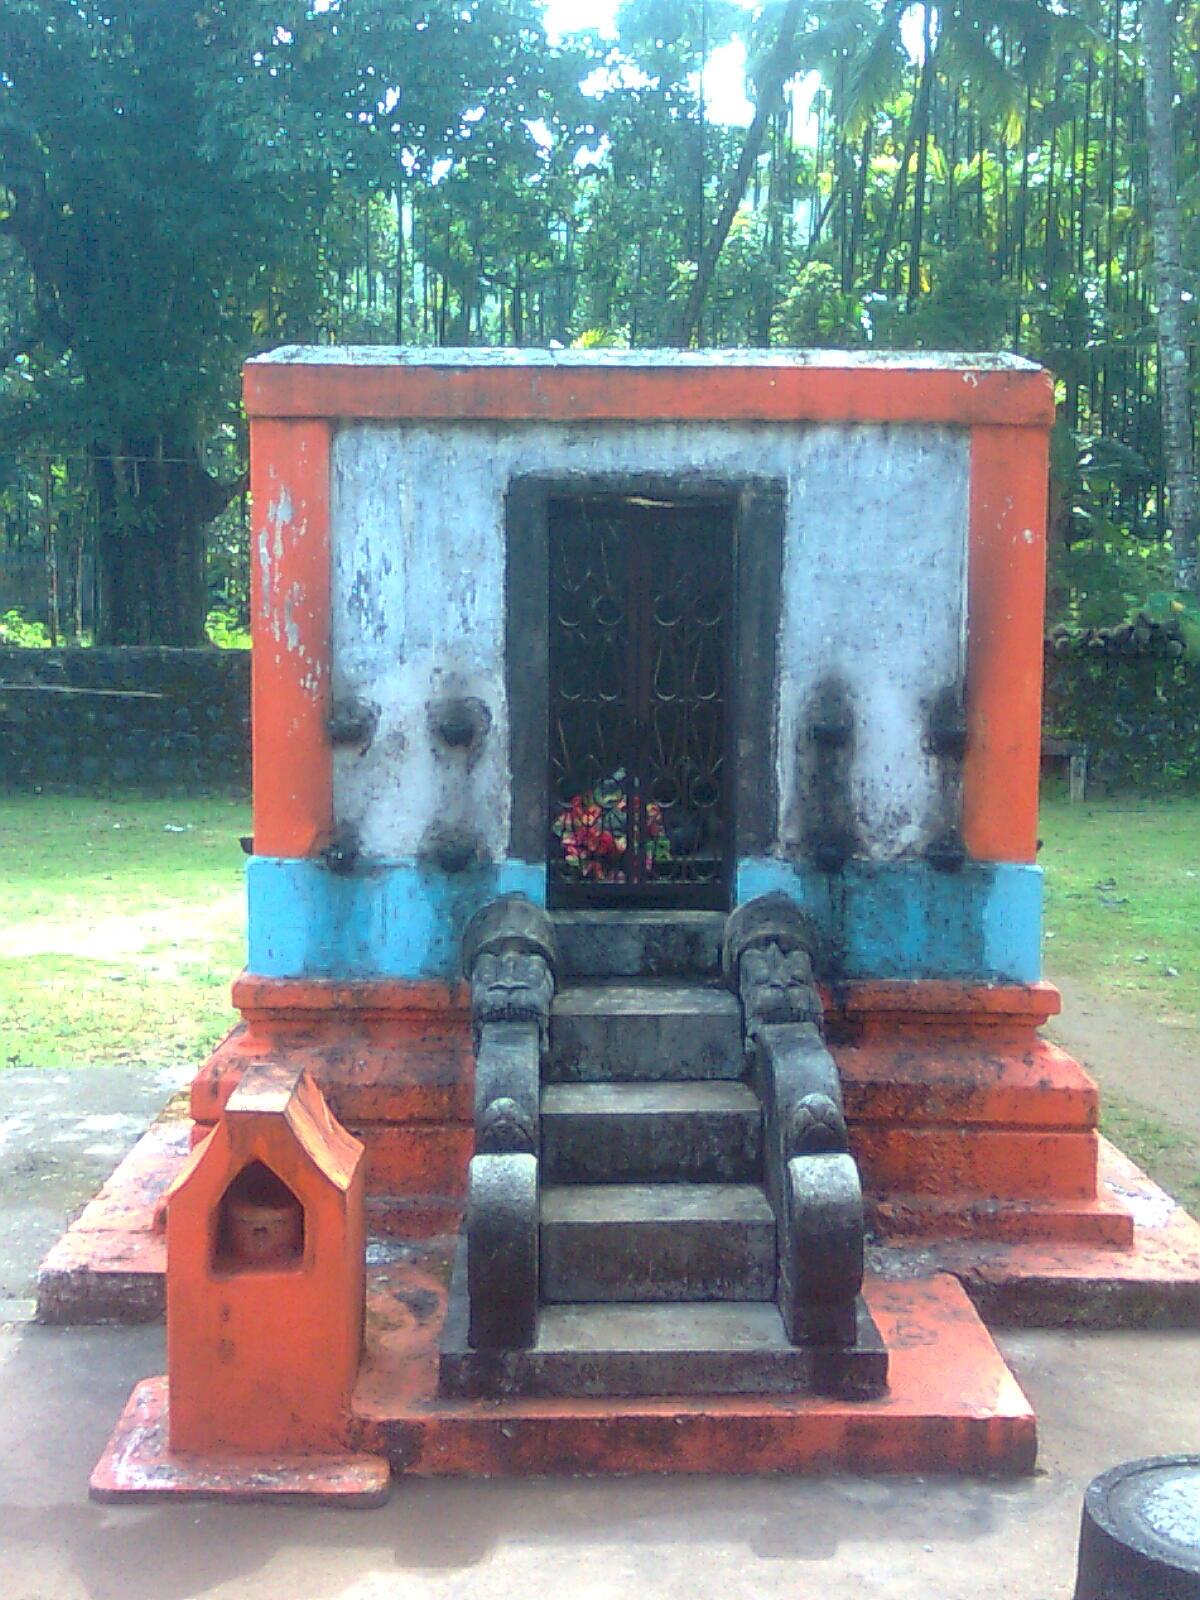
<point>1123,899</point>
<point>121,926</point>
<point>122,922</point>
<point>1123,916</point>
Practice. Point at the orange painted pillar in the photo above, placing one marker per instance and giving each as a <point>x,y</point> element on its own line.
<point>289,607</point>
<point>1006,589</point>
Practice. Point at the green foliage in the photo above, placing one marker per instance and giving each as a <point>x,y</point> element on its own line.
<point>168,174</point>
<point>15,630</point>
<point>1139,717</point>
<point>816,313</point>
<point>1123,900</point>
<point>219,178</point>
<point>964,309</point>
<point>227,630</point>
<point>1184,611</point>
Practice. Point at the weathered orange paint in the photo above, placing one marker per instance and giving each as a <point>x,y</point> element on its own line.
<point>289,609</point>
<point>1060,1283</point>
<point>930,1004</point>
<point>966,1081</point>
<point>942,1081</point>
<point>952,1405</point>
<point>576,392</point>
<point>905,1219</point>
<point>283,997</point>
<point>964,1121</point>
<point>381,1050</point>
<point>1006,591</point>
<point>139,1466</point>
<point>987,1163</point>
<point>365,1078</point>
<point>110,1265</point>
<point>265,1359</point>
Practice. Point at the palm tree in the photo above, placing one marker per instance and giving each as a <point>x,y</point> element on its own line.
<point>1174,375</point>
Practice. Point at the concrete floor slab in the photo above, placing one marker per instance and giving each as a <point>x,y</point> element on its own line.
<point>1102,1398</point>
<point>61,1134</point>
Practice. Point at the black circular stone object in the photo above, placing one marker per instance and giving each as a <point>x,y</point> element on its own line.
<point>1140,1538</point>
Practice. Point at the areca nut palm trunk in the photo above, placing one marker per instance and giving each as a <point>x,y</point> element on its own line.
<point>770,89</point>
<point>1174,311</point>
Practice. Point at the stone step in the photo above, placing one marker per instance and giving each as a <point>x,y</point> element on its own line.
<point>639,944</point>
<point>657,1241</point>
<point>723,1347</point>
<point>614,1032</point>
<point>650,1133</point>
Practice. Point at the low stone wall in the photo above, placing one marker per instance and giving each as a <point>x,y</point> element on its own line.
<point>180,719</point>
<point>1139,716</point>
<point>131,718</point>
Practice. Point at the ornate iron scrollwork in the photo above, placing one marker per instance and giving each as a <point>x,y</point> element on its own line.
<point>639,617</point>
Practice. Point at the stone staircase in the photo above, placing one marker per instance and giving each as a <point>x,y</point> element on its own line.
<point>657,1243</point>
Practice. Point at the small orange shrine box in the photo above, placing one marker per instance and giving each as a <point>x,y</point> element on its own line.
<point>265,1253</point>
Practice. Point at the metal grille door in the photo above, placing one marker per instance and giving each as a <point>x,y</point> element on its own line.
<point>640,597</point>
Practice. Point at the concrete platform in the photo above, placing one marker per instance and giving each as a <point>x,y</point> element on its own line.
<point>952,1404</point>
<point>139,1466</point>
<point>109,1265</point>
<point>1154,1285</point>
<point>1101,1397</point>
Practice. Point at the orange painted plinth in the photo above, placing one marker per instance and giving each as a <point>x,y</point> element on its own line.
<point>138,1465</point>
<point>394,1062</point>
<point>952,1406</point>
<point>110,1264</point>
<point>965,1123</point>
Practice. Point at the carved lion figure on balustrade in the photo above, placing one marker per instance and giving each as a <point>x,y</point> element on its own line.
<point>511,983</point>
<point>776,986</point>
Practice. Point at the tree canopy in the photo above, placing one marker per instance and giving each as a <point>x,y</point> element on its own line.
<point>183,183</point>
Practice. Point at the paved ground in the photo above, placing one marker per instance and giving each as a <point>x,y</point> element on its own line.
<point>1101,1398</point>
<point>61,1134</point>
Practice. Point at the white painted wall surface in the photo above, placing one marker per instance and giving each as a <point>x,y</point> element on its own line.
<point>874,588</point>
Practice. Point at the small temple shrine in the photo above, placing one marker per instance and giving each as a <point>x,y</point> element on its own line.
<point>639,1065</point>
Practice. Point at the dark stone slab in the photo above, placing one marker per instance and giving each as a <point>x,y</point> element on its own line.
<point>821,1248</point>
<point>651,1133</point>
<point>507,1064</point>
<point>669,1241</point>
<point>791,1066</point>
<point>767,919</point>
<point>592,1351</point>
<point>502,1250</point>
<point>629,1032</point>
<point>639,944</point>
<point>1140,1535</point>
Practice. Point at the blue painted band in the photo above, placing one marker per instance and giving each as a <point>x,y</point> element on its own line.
<point>904,920</point>
<point>393,920</point>
<point>405,920</point>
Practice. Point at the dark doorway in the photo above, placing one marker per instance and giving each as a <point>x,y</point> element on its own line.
<point>640,609</point>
